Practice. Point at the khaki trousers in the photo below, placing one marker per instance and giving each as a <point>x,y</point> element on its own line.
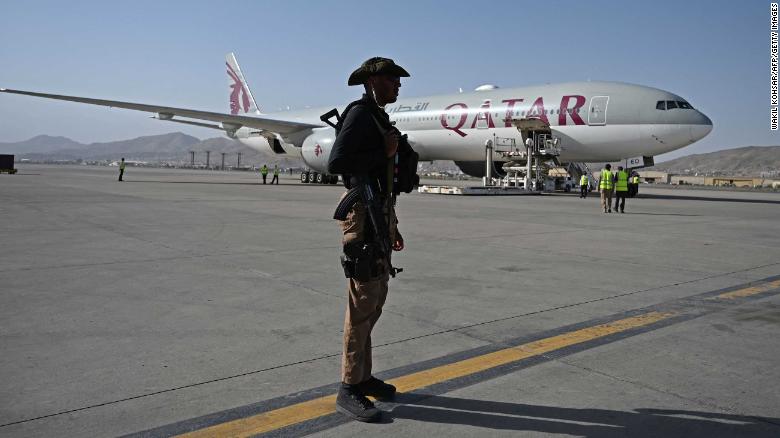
<point>606,199</point>
<point>364,307</point>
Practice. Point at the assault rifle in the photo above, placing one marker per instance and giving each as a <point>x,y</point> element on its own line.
<point>363,192</point>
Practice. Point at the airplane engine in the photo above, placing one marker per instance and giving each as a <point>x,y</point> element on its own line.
<point>316,149</point>
<point>315,152</point>
<point>477,168</point>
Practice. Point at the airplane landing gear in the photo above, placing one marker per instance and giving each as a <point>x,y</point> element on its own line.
<point>309,177</point>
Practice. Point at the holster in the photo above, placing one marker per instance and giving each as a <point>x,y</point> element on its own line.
<point>360,261</point>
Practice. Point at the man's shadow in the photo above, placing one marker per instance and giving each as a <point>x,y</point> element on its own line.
<point>580,422</point>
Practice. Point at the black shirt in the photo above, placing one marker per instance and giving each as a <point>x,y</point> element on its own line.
<point>359,148</point>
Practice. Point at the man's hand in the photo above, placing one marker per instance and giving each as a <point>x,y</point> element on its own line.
<point>391,143</point>
<point>398,245</point>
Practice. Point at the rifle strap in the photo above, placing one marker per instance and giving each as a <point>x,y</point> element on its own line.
<point>390,174</point>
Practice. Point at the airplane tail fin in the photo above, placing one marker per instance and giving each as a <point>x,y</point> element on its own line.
<point>241,100</point>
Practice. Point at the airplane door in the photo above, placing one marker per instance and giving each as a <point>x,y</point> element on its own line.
<point>597,115</point>
<point>483,118</point>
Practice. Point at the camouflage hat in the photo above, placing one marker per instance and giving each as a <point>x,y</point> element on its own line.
<point>376,66</point>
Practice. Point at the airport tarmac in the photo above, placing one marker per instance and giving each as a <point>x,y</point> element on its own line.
<point>203,302</point>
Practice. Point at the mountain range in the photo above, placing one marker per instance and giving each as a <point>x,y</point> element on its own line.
<point>743,161</point>
<point>175,148</point>
<point>171,148</point>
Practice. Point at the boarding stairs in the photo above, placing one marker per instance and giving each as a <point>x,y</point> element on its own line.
<point>576,170</point>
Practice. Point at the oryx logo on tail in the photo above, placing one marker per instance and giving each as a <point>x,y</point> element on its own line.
<point>241,99</point>
<point>237,91</point>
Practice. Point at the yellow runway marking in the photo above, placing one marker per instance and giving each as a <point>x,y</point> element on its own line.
<point>300,412</point>
<point>748,291</point>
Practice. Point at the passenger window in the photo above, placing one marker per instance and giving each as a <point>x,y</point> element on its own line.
<point>660,105</point>
<point>670,104</point>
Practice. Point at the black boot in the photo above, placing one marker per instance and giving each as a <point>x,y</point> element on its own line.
<point>376,388</point>
<point>352,403</point>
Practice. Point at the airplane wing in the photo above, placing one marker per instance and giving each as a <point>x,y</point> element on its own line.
<point>229,122</point>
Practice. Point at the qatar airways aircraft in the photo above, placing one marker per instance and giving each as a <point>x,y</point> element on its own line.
<point>594,122</point>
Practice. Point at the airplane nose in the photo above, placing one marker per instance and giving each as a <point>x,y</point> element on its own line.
<point>701,128</point>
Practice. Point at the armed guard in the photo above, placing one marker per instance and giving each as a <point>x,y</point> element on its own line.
<point>377,164</point>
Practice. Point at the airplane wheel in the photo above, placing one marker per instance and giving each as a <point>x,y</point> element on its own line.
<point>319,178</point>
<point>334,179</point>
<point>304,177</point>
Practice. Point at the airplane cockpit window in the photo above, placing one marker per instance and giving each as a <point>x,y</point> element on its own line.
<point>671,104</point>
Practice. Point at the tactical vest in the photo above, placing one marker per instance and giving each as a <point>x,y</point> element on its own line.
<point>622,181</point>
<point>606,180</point>
<point>403,173</point>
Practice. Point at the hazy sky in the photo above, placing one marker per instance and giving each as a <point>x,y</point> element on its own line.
<point>299,53</point>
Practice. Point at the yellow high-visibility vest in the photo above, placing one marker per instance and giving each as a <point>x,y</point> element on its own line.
<point>606,180</point>
<point>622,181</point>
<point>264,170</point>
<point>583,180</point>
<point>636,180</point>
<point>121,165</point>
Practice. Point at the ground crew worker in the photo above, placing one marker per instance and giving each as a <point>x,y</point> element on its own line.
<point>633,188</point>
<point>264,172</point>
<point>605,187</point>
<point>361,152</point>
<point>621,189</point>
<point>276,175</point>
<point>121,168</point>
<point>584,185</point>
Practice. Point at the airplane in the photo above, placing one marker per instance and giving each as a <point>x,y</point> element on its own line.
<point>594,122</point>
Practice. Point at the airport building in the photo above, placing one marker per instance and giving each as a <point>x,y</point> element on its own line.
<point>656,177</point>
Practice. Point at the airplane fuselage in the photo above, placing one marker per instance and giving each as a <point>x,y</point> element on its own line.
<point>595,121</point>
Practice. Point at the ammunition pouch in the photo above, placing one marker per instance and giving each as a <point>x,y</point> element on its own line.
<point>360,261</point>
<point>407,168</point>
